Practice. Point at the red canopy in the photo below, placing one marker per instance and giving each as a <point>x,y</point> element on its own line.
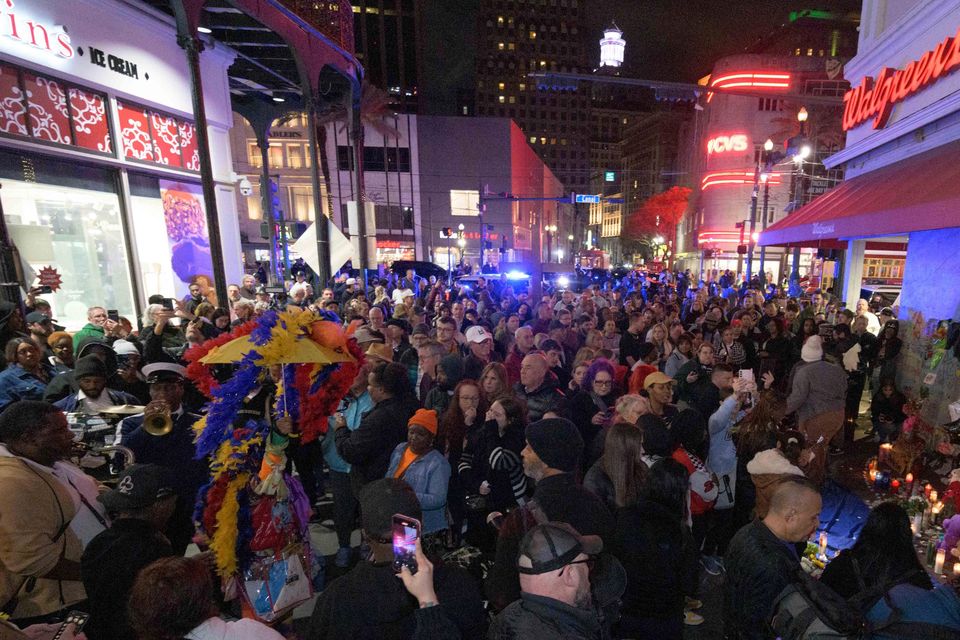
<point>919,193</point>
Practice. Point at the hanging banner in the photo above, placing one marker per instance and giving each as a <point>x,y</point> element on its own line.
<point>187,239</point>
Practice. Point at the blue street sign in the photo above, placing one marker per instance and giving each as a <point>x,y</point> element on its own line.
<point>586,198</point>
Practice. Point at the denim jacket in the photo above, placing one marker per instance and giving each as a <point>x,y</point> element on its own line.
<point>16,383</point>
<point>429,477</point>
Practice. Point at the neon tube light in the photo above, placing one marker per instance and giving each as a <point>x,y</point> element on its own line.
<point>745,176</point>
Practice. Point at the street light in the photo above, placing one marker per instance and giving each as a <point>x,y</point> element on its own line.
<point>461,227</point>
<point>550,229</point>
<point>802,115</point>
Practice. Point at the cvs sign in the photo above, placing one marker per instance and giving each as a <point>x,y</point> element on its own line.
<point>722,144</point>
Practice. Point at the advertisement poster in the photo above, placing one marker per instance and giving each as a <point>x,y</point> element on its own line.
<point>173,246</point>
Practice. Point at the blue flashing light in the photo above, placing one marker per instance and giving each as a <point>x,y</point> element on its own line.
<point>563,282</point>
<point>517,275</point>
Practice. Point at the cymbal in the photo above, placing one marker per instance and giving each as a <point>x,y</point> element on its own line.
<point>123,409</point>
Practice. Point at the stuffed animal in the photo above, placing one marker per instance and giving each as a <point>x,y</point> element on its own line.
<point>951,527</point>
<point>953,487</point>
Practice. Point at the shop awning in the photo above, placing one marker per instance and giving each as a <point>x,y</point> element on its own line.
<point>919,193</point>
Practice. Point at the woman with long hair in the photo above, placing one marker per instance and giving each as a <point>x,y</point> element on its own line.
<point>757,431</point>
<point>888,348</point>
<point>656,550</point>
<point>659,337</point>
<point>460,421</point>
<point>883,552</point>
<point>807,328</point>
<point>617,477</point>
<point>27,375</point>
<point>491,466</point>
<point>173,598</point>
<point>775,352</point>
<point>592,407</point>
<point>493,382</point>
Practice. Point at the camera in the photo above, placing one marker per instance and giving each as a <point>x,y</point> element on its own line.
<point>245,187</point>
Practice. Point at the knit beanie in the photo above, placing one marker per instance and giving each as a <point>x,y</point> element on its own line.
<point>557,442</point>
<point>812,350</point>
<point>89,366</point>
<point>426,418</point>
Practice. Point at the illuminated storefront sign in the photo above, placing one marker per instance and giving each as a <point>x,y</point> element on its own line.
<point>722,144</point>
<point>750,79</point>
<point>743,176</point>
<point>875,97</point>
<point>50,38</point>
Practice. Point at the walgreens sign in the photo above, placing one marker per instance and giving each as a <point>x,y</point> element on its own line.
<point>874,98</point>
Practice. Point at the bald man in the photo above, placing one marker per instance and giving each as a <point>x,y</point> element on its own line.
<point>762,558</point>
<point>522,345</point>
<point>538,388</point>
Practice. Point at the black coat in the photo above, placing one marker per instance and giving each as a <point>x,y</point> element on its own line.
<point>658,552</point>
<point>759,565</point>
<point>371,603</point>
<point>562,500</point>
<point>496,459</point>
<point>541,618</point>
<point>582,410</point>
<point>109,565</point>
<point>368,449</point>
<point>546,397</point>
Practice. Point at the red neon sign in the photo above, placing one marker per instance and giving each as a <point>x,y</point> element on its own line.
<point>718,237</point>
<point>722,144</point>
<point>875,98</point>
<point>754,79</point>
<point>32,33</point>
<point>743,176</point>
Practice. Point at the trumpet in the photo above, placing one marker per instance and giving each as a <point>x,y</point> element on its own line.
<point>158,423</point>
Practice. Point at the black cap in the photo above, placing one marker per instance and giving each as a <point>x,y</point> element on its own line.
<point>89,366</point>
<point>557,442</point>
<point>36,316</point>
<point>383,498</point>
<point>140,486</point>
<point>399,323</point>
<point>552,545</point>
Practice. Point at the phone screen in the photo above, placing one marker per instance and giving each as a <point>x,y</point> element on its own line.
<point>406,530</point>
<point>113,314</point>
<point>168,304</point>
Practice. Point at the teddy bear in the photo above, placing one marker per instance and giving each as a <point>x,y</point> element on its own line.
<point>953,489</point>
<point>951,528</point>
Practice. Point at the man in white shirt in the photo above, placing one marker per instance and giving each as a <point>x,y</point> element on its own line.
<point>873,322</point>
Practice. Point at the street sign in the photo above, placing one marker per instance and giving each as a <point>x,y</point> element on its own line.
<point>609,176</point>
<point>586,198</point>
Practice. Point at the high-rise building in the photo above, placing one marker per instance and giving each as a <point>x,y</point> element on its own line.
<point>519,37</point>
<point>385,34</point>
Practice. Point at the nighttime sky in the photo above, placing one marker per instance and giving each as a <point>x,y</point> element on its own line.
<point>680,39</point>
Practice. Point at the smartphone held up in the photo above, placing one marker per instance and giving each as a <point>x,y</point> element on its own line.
<point>406,532</point>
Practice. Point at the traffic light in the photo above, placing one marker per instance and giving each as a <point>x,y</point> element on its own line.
<point>742,249</point>
<point>446,232</point>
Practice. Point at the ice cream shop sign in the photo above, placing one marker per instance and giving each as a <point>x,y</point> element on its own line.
<point>18,25</point>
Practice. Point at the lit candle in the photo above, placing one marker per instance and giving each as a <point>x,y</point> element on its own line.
<point>933,497</point>
<point>884,453</point>
<point>873,476</point>
<point>914,526</point>
<point>927,488</point>
<point>895,486</point>
<point>956,568</point>
<point>823,544</point>
<point>938,565</point>
<point>909,481</point>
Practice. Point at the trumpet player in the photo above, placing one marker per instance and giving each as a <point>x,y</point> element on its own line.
<point>163,435</point>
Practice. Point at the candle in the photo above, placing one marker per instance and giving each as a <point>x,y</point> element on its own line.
<point>914,525</point>
<point>823,545</point>
<point>873,476</point>
<point>933,497</point>
<point>927,488</point>
<point>938,565</point>
<point>956,569</point>
<point>895,486</point>
<point>935,512</point>
<point>909,481</point>
<point>884,454</point>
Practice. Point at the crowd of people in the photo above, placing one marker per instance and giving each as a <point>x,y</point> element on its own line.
<point>577,461</point>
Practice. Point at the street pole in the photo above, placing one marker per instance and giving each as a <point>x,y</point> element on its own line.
<point>266,201</point>
<point>323,230</point>
<point>763,249</point>
<point>753,221</point>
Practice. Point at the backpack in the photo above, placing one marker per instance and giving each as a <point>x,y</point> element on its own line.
<point>807,609</point>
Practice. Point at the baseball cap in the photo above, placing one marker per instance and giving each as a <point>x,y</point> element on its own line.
<point>36,316</point>
<point>478,334</point>
<point>351,281</point>
<point>140,485</point>
<point>552,545</point>
<point>125,348</point>
<point>657,377</point>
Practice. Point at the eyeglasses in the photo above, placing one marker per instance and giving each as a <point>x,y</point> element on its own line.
<point>603,383</point>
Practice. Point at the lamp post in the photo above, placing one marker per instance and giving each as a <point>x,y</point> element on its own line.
<point>765,179</point>
<point>802,116</point>
<point>573,247</point>
<point>461,242</point>
<point>550,229</point>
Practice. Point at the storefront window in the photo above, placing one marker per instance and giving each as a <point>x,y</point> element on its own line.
<point>67,216</point>
<point>149,136</point>
<point>301,199</point>
<point>170,228</point>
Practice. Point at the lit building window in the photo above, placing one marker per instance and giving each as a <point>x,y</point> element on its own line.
<point>464,203</point>
<point>513,99</point>
<point>523,86</point>
<point>502,99</point>
<point>511,47</point>
<point>533,139</point>
<point>253,155</point>
<point>809,52</point>
<point>543,63</point>
<point>499,21</point>
<point>501,86</point>
<point>500,46</point>
<point>533,35</point>
<point>543,140</point>
<point>295,156</point>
